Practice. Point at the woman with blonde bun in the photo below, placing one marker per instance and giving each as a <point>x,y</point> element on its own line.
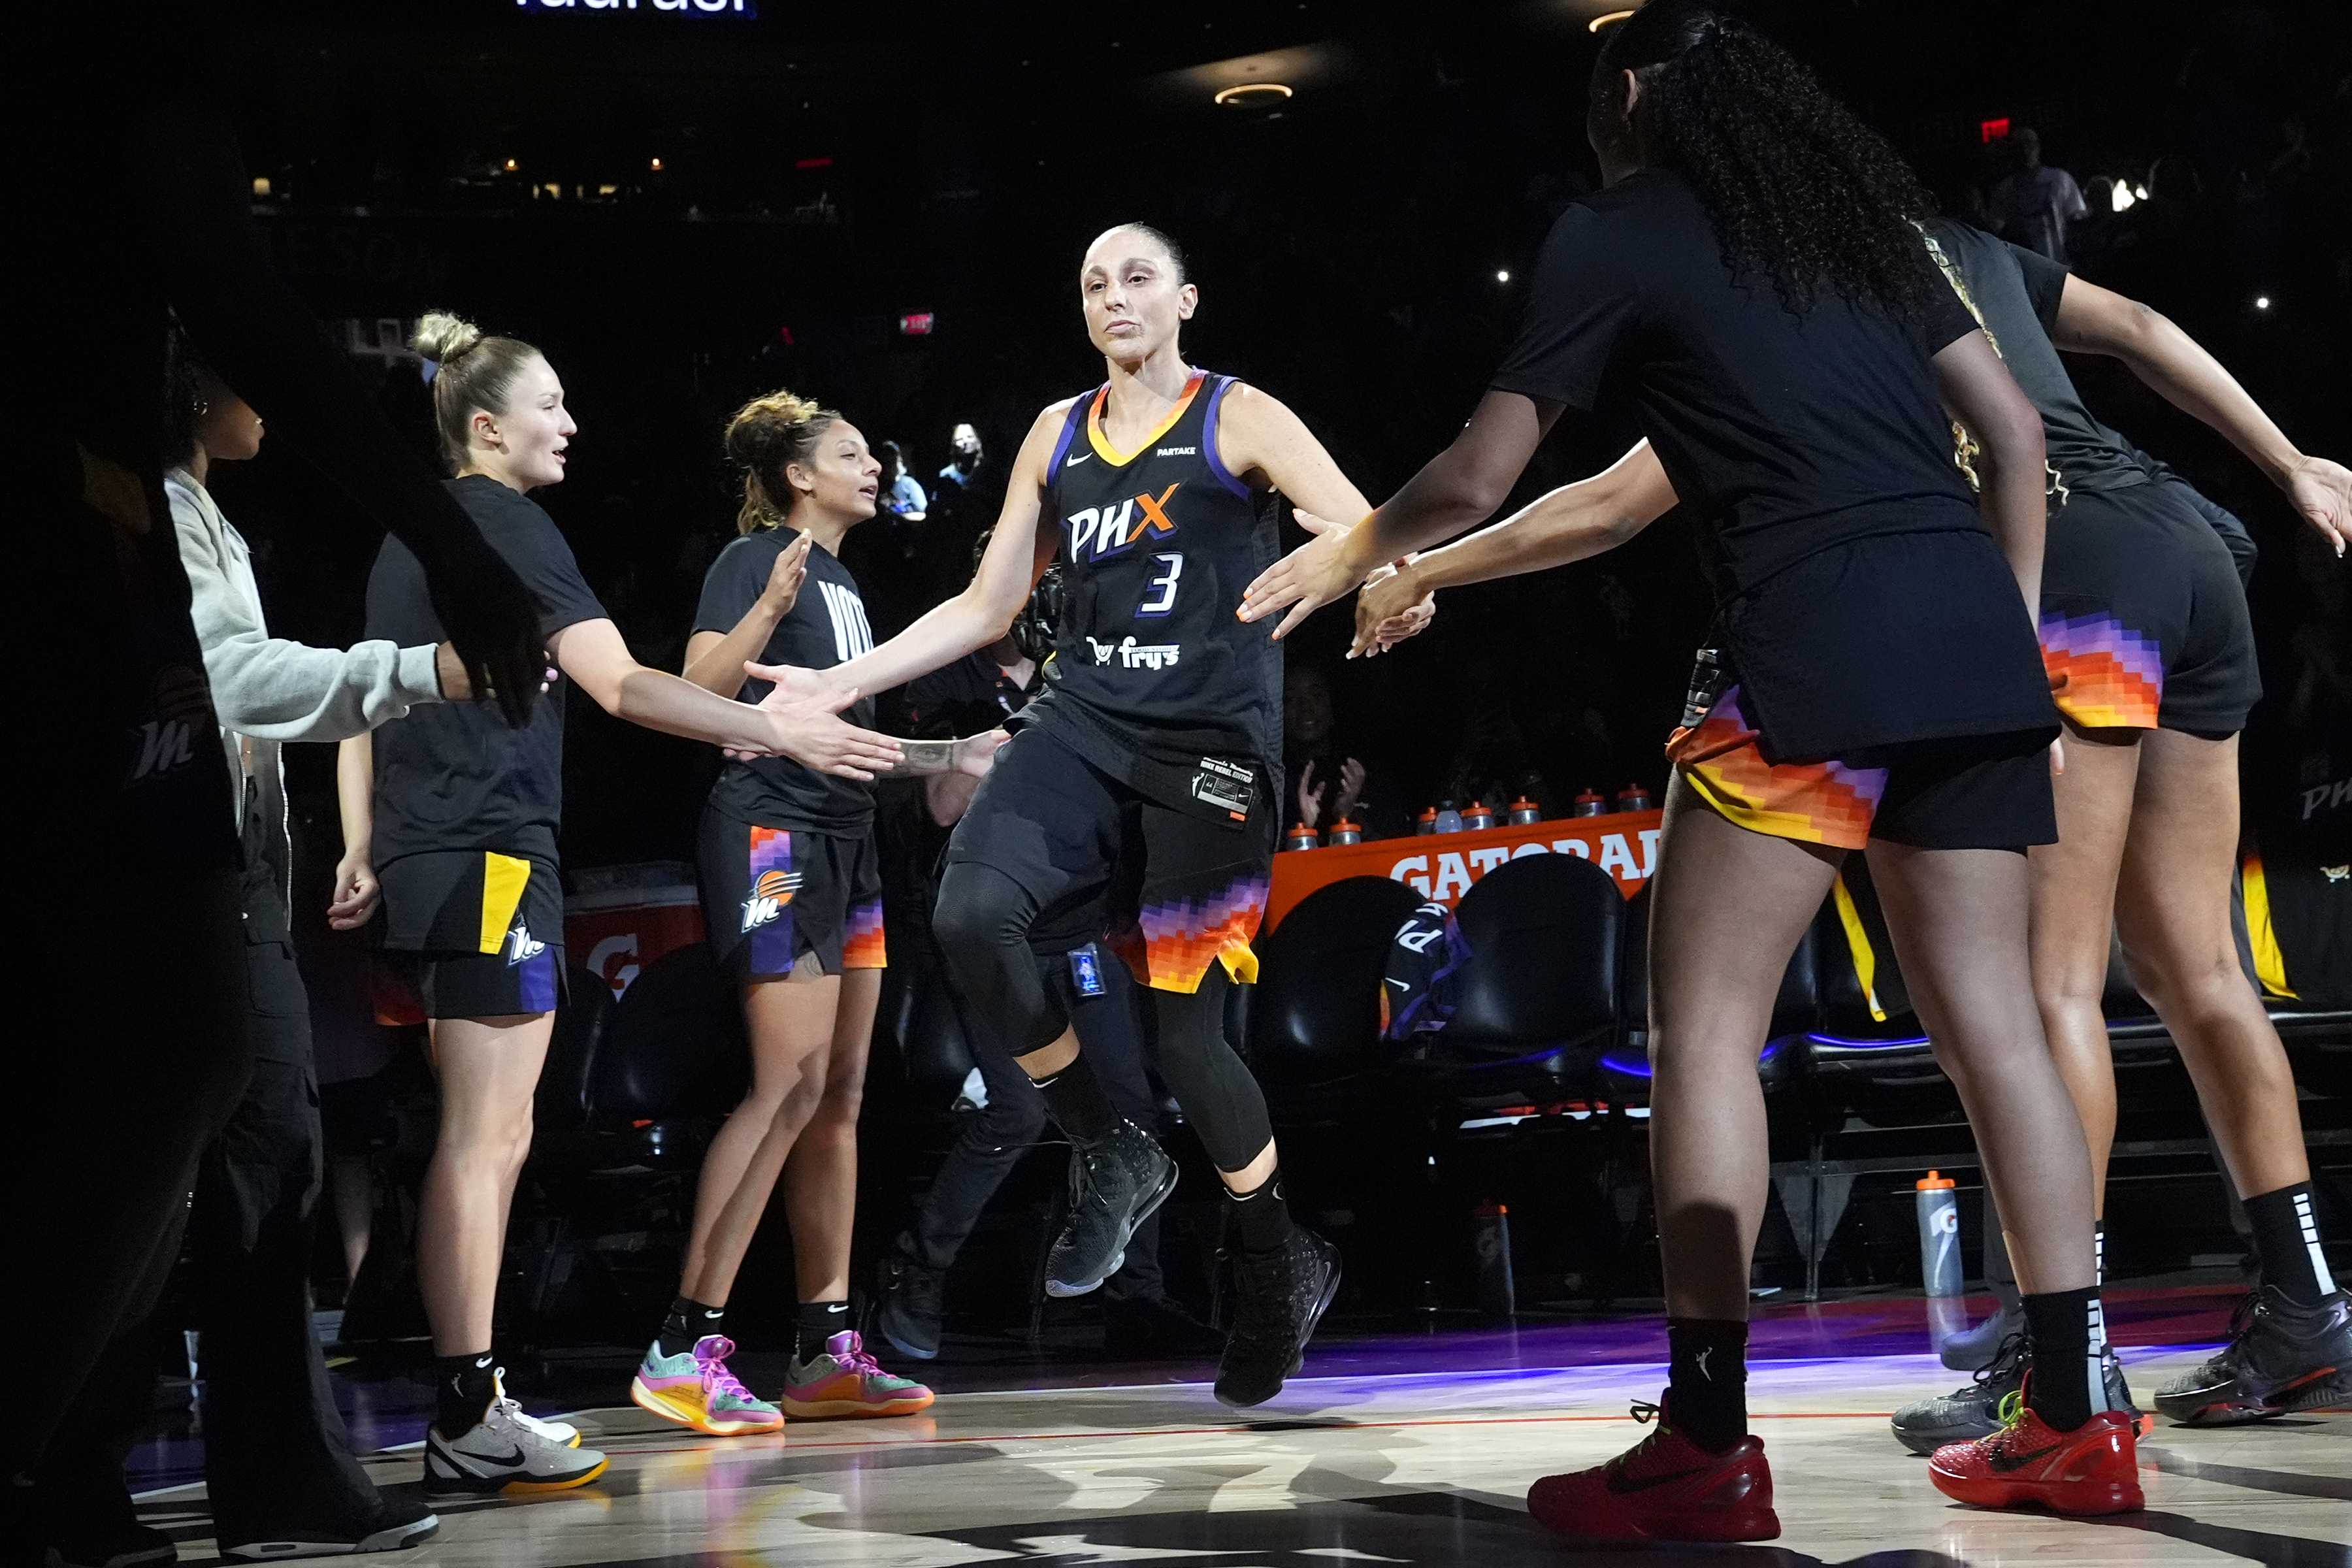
<point>449,822</point>
<point>792,893</point>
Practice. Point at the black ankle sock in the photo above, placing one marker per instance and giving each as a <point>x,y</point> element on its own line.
<point>1707,1380</point>
<point>815,1322</point>
<point>688,1322</point>
<point>2069,1336</point>
<point>462,1389</point>
<point>1074,1097</point>
<point>2286,1239</point>
<point>1261,1217</point>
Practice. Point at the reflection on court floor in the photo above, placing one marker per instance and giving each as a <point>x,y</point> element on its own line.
<point>1415,1469</point>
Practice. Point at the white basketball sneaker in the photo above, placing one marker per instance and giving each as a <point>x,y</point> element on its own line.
<point>501,1454</point>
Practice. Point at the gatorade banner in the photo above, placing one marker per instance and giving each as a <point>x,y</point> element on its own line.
<point>1440,867</point>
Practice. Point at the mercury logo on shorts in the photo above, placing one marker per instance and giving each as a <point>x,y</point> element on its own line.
<point>521,947</point>
<point>770,893</point>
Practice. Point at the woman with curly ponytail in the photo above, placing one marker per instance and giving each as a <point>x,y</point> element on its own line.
<point>792,892</point>
<point>1751,288</point>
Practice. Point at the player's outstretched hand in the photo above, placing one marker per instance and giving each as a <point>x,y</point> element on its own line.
<point>2322,491</point>
<point>355,897</point>
<point>975,754</point>
<point>1392,606</point>
<point>792,683</point>
<point>811,732</point>
<point>785,578</point>
<point>1308,578</point>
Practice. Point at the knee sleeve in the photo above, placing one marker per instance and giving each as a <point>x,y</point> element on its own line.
<point>982,926</point>
<point>1219,1095</point>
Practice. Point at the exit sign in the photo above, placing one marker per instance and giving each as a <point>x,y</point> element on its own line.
<point>917,324</point>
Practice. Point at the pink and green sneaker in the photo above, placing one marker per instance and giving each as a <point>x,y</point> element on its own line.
<point>846,1381</point>
<point>695,1389</point>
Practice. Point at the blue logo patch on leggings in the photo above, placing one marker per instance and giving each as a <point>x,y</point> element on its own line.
<point>1086,970</point>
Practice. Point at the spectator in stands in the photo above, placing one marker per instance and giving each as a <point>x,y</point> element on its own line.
<point>2035,205</point>
<point>964,467</point>
<point>900,494</point>
<point>1326,784</point>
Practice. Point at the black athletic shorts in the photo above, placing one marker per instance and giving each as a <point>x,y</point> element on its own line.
<point>1185,891</point>
<point>470,934</point>
<point>771,894</point>
<point>411,987</point>
<point>1970,792</point>
<point>2144,622</point>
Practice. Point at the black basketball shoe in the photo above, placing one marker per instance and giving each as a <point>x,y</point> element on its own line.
<point>1972,1412</point>
<point>1114,1186</point>
<point>2281,1357</point>
<point>910,1314</point>
<point>1278,1298</point>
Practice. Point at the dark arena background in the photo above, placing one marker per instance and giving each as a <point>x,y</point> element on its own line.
<point>883,207</point>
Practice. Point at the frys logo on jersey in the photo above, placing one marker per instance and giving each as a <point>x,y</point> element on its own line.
<point>1100,531</point>
<point>770,891</point>
<point>1134,655</point>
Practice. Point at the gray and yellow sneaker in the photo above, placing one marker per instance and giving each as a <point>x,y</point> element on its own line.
<point>501,1454</point>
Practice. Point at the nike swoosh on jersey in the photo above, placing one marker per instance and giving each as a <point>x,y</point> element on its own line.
<point>1074,462</point>
<point>2004,1462</point>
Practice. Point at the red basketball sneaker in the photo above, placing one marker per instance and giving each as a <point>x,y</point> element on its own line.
<point>1664,1488</point>
<point>2092,1469</point>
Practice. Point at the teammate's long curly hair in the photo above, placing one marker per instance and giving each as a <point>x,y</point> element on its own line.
<point>767,436</point>
<point>1801,191</point>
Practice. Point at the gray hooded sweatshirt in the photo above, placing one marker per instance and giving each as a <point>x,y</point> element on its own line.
<point>268,691</point>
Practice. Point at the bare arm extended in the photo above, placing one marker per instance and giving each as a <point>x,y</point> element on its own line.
<point>1572,523</point>
<point>971,757</point>
<point>1979,392</point>
<point>1018,553</point>
<point>1259,439</point>
<point>2091,320</point>
<point>1461,485</point>
<point>808,730</point>
<point>715,661</point>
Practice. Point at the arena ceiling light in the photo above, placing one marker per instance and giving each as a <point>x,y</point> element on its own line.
<point>1606,19</point>
<point>1261,86</point>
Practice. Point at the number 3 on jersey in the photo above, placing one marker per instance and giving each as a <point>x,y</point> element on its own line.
<point>1159,594</point>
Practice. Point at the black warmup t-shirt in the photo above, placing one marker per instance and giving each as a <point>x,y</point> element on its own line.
<point>825,626</point>
<point>456,775</point>
<point>1863,603</point>
<point>2016,292</point>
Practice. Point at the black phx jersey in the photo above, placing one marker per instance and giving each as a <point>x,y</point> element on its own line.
<point>1157,546</point>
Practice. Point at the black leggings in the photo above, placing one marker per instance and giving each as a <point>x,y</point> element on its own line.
<point>983,924</point>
